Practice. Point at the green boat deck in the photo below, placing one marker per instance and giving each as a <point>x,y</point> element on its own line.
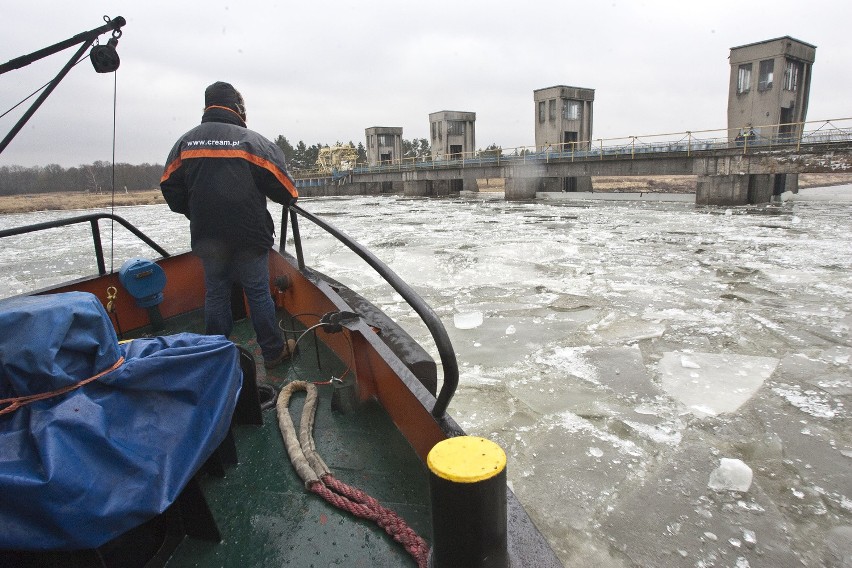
<point>264,513</point>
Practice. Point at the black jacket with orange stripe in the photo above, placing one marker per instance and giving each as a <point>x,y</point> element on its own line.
<point>219,175</point>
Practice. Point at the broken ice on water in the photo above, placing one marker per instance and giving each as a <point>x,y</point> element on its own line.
<point>468,320</point>
<point>619,352</point>
<point>731,475</point>
<point>709,384</point>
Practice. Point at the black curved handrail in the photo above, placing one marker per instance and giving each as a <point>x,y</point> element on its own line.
<point>426,313</point>
<point>93,219</point>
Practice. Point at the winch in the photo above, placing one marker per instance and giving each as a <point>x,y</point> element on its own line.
<point>145,280</point>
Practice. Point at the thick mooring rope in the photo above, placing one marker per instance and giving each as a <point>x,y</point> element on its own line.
<point>318,479</point>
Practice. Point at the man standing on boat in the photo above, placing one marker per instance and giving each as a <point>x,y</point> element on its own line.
<point>219,175</point>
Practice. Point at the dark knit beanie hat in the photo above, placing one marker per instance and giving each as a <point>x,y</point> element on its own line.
<point>225,95</point>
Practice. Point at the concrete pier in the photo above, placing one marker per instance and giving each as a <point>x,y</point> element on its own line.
<point>743,189</point>
<point>435,188</point>
<point>521,188</point>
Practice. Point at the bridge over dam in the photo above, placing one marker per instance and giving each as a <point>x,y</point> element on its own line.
<point>740,172</point>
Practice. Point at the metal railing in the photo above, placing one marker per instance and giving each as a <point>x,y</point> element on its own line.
<point>429,317</point>
<point>92,219</point>
<point>747,139</point>
<point>426,313</point>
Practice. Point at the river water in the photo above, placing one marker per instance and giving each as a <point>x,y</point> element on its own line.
<point>671,383</point>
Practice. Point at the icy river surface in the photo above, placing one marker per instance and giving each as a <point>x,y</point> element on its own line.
<point>672,384</point>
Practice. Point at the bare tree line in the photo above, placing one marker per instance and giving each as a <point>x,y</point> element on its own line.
<point>94,178</point>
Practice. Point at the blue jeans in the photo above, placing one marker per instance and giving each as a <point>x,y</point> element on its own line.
<point>251,269</point>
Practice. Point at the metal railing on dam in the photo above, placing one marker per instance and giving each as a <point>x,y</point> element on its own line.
<point>791,137</point>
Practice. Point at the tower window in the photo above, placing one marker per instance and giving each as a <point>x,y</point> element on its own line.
<point>766,72</point>
<point>744,78</point>
<point>541,111</point>
<point>571,110</point>
<point>791,75</point>
<point>455,127</point>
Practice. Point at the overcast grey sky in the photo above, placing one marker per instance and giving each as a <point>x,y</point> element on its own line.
<point>322,72</point>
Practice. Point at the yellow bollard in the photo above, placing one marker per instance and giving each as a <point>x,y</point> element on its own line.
<point>467,478</point>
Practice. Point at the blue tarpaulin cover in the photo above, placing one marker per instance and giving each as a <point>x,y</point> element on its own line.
<point>78,469</point>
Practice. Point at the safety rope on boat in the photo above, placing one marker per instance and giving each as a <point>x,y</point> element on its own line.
<point>318,479</point>
<point>15,403</point>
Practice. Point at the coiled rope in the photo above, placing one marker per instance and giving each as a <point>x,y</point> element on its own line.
<point>318,479</point>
